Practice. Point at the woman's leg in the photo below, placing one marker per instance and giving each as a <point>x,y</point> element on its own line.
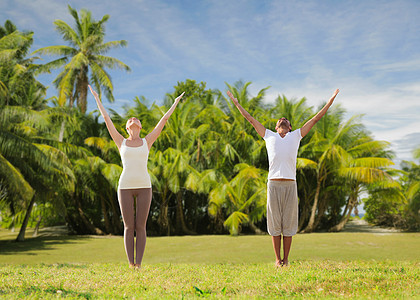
<point>144,198</point>
<point>126,200</point>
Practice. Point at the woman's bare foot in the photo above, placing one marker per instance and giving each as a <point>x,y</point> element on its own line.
<point>278,263</point>
<point>285,263</point>
<point>137,266</point>
<point>132,266</point>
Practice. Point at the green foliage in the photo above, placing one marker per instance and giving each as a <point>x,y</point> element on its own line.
<point>18,85</point>
<point>208,167</point>
<point>397,206</point>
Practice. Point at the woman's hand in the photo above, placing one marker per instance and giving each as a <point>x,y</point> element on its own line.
<point>334,95</point>
<point>235,101</point>
<point>95,94</point>
<point>179,98</point>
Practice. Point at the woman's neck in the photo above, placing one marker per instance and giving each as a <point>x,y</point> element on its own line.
<point>132,138</point>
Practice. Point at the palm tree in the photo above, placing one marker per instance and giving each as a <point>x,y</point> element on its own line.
<point>84,54</point>
<point>361,167</point>
<point>242,198</point>
<point>348,153</point>
<point>411,184</point>
<point>28,168</point>
<point>18,85</point>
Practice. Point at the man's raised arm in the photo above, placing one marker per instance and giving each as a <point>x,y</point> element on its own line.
<point>257,125</point>
<point>308,125</point>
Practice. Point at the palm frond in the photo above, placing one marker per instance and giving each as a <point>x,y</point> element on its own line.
<point>368,148</point>
<point>366,175</point>
<point>103,48</point>
<point>14,180</point>
<point>67,33</point>
<point>302,163</point>
<point>66,51</point>
<point>233,222</point>
<point>371,162</point>
<point>413,190</point>
<point>112,173</point>
<point>103,78</point>
<point>7,55</point>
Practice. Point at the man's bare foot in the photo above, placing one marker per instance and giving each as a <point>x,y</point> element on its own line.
<point>285,263</point>
<point>278,263</point>
<point>137,266</point>
<point>132,266</point>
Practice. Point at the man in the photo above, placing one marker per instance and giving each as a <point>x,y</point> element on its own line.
<point>282,199</point>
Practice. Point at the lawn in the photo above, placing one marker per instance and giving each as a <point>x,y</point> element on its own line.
<point>323,265</point>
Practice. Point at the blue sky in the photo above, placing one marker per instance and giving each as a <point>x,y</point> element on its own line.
<point>368,49</point>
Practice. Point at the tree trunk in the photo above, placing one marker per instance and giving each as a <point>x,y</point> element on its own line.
<point>82,87</point>
<point>164,226</point>
<point>108,227</point>
<point>322,205</point>
<point>255,229</point>
<point>310,227</point>
<point>71,101</point>
<point>218,222</point>
<point>21,236</point>
<point>91,228</point>
<point>356,210</point>
<point>61,135</point>
<point>181,227</point>
<point>304,214</point>
<point>346,216</point>
<point>37,226</point>
<point>116,220</point>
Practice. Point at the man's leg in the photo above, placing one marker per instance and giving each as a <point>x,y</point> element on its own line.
<point>277,247</point>
<point>274,225</point>
<point>290,214</point>
<point>287,243</point>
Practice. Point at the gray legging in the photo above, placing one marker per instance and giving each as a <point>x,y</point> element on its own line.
<point>143,199</point>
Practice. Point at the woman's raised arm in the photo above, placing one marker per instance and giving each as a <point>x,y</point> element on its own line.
<point>115,135</point>
<point>151,137</point>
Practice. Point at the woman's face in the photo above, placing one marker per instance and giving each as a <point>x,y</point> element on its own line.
<point>133,122</point>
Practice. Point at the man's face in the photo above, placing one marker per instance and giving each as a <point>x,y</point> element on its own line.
<point>283,124</point>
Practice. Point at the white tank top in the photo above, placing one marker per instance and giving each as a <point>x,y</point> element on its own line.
<point>134,160</point>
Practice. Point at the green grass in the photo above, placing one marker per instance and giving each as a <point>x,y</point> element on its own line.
<point>355,279</point>
<point>211,249</point>
<point>354,265</point>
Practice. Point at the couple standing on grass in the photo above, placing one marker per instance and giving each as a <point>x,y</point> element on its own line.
<point>282,199</point>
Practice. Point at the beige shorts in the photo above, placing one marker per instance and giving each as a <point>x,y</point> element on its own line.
<point>282,208</point>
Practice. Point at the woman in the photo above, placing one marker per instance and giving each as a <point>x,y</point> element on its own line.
<point>134,180</point>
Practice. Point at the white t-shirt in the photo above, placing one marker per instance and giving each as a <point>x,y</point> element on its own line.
<point>282,154</point>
